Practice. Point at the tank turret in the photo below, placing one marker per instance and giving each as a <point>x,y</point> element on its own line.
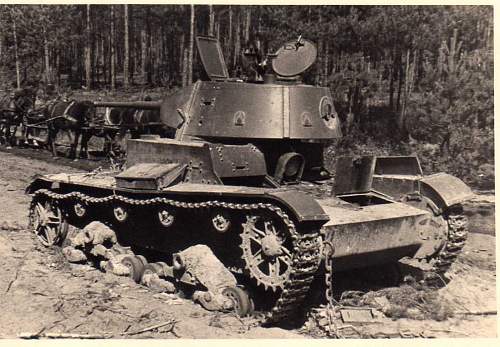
<point>285,120</point>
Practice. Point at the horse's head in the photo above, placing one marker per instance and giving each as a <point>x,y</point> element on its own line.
<point>83,111</point>
<point>89,110</point>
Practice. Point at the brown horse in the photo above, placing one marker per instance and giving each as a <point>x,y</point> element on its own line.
<point>12,111</point>
<point>72,116</point>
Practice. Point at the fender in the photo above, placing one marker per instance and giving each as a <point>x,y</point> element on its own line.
<point>445,190</point>
<point>39,182</point>
<point>304,206</point>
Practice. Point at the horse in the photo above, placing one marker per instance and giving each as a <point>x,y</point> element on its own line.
<point>11,116</point>
<point>72,116</point>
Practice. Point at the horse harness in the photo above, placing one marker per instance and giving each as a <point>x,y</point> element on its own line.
<point>65,114</point>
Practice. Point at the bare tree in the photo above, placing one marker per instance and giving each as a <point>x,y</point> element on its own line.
<point>88,66</point>
<point>16,51</point>
<point>191,47</point>
<point>248,19</point>
<point>127,49</point>
<point>211,20</point>
<point>112,49</point>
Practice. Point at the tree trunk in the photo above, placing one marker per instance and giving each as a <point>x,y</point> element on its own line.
<point>230,35</point>
<point>406,91</point>
<point>16,54</point>
<point>102,59</point>
<point>112,49</point>
<point>1,45</point>
<point>217,30</point>
<point>185,67</point>
<point>95,60</point>
<point>88,66</point>
<point>248,19</point>
<point>46,56</point>
<point>191,47</point>
<point>453,52</point>
<point>150,59</point>
<point>237,43</point>
<point>146,51</point>
<point>325,63</point>
<point>400,79</point>
<point>392,76</point>
<point>58,67</point>
<point>211,20</point>
<point>319,72</point>
<point>126,56</point>
<point>182,44</point>
<point>144,41</point>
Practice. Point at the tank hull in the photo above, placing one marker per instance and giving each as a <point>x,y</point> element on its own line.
<point>379,233</point>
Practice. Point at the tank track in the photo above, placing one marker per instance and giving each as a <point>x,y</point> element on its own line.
<point>307,246</point>
<point>457,236</point>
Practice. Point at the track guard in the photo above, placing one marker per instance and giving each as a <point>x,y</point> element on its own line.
<point>304,207</point>
<point>38,183</point>
<point>445,190</point>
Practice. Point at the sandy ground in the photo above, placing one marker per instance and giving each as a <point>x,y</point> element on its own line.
<point>40,292</point>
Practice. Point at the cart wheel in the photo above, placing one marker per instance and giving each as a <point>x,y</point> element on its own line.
<point>135,266</point>
<point>242,304</point>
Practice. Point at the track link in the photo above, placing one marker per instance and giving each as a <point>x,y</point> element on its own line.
<point>457,236</point>
<point>306,246</point>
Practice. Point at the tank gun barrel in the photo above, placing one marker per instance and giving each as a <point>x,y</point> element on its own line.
<point>143,105</point>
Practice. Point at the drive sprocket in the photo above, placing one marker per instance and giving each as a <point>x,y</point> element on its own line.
<point>267,250</point>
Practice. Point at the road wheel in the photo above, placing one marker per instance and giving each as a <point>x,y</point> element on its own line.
<point>135,266</point>
<point>153,268</point>
<point>242,304</point>
<point>142,259</point>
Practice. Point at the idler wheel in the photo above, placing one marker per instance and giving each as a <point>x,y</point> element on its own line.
<point>241,302</point>
<point>135,266</point>
<point>433,230</point>
<point>267,250</point>
<point>48,223</point>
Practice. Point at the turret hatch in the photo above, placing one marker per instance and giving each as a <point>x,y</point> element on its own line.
<point>212,58</point>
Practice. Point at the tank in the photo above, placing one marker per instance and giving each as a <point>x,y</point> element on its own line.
<point>243,174</point>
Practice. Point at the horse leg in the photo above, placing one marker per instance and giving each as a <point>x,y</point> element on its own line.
<point>74,146</point>
<point>2,130</point>
<point>8,136</point>
<point>109,137</point>
<point>13,138</point>
<point>52,141</point>
<point>84,151</point>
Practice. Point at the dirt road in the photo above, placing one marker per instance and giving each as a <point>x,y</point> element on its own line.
<point>40,292</point>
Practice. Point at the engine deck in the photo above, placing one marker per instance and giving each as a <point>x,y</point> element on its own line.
<point>377,233</point>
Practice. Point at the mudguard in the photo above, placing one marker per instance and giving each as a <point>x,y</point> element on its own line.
<point>38,183</point>
<point>305,207</point>
<point>445,190</point>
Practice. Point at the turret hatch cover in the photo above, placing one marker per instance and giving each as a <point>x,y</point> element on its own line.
<point>212,57</point>
<point>294,57</point>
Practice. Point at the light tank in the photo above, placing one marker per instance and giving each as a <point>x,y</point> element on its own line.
<point>244,175</point>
